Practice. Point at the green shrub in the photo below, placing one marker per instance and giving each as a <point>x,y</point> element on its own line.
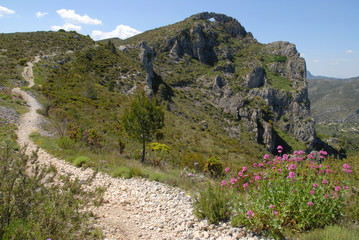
<point>193,160</point>
<point>293,193</point>
<point>121,172</point>
<point>22,62</point>
<point>212,204</point>
<point>81,160</point>
<point>65,143</point>
<point>335,232</point>
<point>214,167</point>
<point>35,207</point>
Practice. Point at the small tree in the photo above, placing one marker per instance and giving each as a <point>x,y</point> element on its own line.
<point>142,119</point>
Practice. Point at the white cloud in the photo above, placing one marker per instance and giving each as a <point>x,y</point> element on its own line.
<point>4,11</point>
<point>41,14</point>
<point>121,31</point>
<point>67,27</point>
<point>316,60</point>
<point>349,51</point>
<point>70,16</point>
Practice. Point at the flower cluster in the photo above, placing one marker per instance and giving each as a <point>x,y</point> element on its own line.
<point>292,186</point>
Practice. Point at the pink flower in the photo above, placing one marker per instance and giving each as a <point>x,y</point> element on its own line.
<point>266,156</point>
<point>227,169</point>
<point>291,175</point>
<point>280,148</point>
<point>279,170</point>
<point>261,165</point>
<point>346,187</point>
<point>293,191</point>
<point>255,164</point>
<point>310,203</point>
<point>275,212</point>
<point>257,178</point>
<point>224,182</point>
<point>244,169</point>
<point>240,174</point>
<point>292,167</point>
<point>347,170</point>
<point>324,181</point>
<point>312,192</point>
<point>250,214</point>
<point>233,181</point>
<point>326,195</point>
<point>337,188</point>
<point>346,166</point>
<point>245,185</point>
<point>272,206</point>
<point>315,185</point>
<point>324,153</point>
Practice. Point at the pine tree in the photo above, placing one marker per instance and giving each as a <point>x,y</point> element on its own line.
<point>142,119</point>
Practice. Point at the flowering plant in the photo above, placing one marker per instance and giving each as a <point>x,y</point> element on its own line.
<point>289,191</point>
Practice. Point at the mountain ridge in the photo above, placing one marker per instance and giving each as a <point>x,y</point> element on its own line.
<point>214,78</point>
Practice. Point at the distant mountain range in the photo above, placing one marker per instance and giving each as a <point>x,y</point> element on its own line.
<point>333,99</point>
<point>311,76</point>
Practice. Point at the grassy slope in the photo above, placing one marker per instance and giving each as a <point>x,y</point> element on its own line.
<point>333,100</point>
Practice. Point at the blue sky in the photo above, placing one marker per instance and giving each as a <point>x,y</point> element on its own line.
<point>324,31</point>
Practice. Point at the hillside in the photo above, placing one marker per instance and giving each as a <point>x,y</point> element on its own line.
<point>334,106</point>
<point>230,106</point>
<point>334,100</point>
<point>224,93</point>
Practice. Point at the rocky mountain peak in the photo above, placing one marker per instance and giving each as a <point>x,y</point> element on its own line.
<point>233,27</point>
<point>262,86</point>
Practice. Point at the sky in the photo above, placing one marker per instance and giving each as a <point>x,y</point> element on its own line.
<point>326,32</point>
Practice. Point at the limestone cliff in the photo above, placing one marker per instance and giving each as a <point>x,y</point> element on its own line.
<point>262,86</point>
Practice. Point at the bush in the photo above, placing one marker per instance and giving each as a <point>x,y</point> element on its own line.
<point>32,211</point>
<point>294,193</point>
<point>22,62</point>
<point>332,232</point>
<point>193,160</point>
<point>65,143</point>
<point>214,167</point>
<point>81,160</point>
<point>121,172</point>
<point>213,204</point>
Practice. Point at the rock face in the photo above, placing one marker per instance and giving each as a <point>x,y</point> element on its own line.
<point>289,111</point>
<point>146,55</point>
<point>263,86</point>
<point>200,41</point>
<point>256,78</point>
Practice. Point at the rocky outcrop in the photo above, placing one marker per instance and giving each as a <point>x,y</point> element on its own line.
<point>260,107</point>
<point>232,26</point>
<point>294,68</point>
<point>201,40</point>
<point>256,78</point>
<point>146,55</point>
<point>198,43</point>
<point>248,77</point>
